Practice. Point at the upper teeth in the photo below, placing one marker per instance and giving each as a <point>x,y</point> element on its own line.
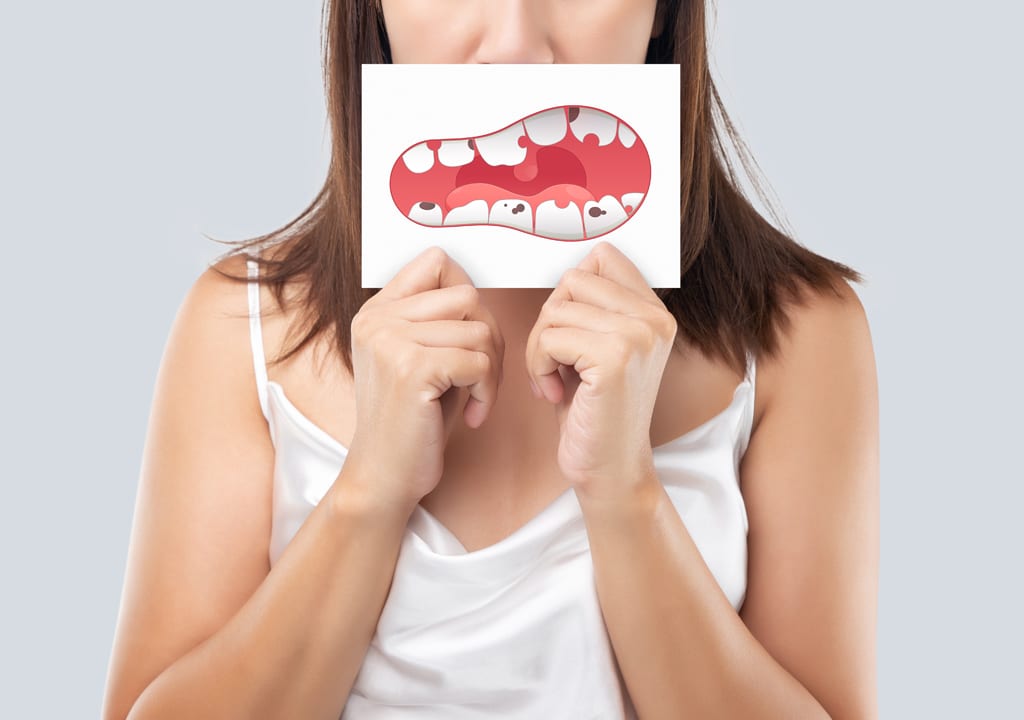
<point>546,128</point>
<point>626,136</point>
<point>419,158</point>
<point>455,153</point>
<point>594,121</point>
<point>502,148</point>
<point>601,217</point>
<point>632,201</point>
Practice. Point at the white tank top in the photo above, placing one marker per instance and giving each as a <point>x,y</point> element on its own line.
<point>513,630</point>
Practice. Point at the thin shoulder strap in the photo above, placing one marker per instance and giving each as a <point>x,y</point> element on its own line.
<point>752,369</point>
<point>747,426</point>
<point>256,336</point>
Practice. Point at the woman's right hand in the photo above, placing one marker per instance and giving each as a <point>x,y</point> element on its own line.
<point>419,346</point>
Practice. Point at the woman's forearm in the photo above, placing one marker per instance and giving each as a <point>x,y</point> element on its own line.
<point>682,648</point>
<point>294,648</point>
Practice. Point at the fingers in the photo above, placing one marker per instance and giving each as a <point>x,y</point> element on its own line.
<point>586,287</point>
<point>475,335</point>
<point>459,367</point>
<point>435,305</point>
<point>433,268</point>
<point>607,261</point>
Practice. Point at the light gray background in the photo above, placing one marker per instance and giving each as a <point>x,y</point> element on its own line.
<point>890,132</point>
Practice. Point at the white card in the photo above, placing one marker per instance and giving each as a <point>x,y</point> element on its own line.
<point>517,171</point>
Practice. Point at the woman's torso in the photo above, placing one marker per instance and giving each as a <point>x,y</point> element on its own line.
<point>494,480</point>
<point>493,610</point>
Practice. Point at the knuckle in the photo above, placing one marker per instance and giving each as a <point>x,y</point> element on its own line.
<point>483,361</point>
<point>470,294</point>
<point>436,255</point>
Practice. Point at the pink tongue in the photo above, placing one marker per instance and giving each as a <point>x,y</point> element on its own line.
<point>561,194</point>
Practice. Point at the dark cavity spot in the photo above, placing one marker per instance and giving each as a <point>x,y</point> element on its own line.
<point>472,145</point>
<point>574,112</point>
<point>597,212</point>
<point>426,206</point>
<point>519,208</point>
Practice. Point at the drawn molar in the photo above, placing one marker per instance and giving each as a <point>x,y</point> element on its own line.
<point>564,173</point>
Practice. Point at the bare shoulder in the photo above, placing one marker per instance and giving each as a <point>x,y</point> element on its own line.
<point>810,482</point>
<point>200,532</point>
<point>827,336</point>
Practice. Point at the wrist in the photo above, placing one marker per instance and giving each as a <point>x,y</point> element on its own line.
<point>353,500</point>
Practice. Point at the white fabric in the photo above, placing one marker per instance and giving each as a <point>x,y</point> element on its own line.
<point>513,630</point>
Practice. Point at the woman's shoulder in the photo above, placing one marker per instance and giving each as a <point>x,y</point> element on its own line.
<point>825,334</point>
<point>210,334</point>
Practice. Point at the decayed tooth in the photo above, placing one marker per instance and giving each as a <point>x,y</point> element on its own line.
<point>513,213</point>
<point>546,128</point>
<point>472,213</point>
<point>456,153</point>
<point>626,136</point>
<point>632,201</point>
<point>593,121</point>
<point>419,158</point>
<point>502,148</point>
<point>600,217</point>
<point>427,213</point>
<point>559,223</point>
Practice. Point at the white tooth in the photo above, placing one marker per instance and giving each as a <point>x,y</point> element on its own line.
<point>455,153</point>
<point>472,213</point>
<point>419,158</point>
<point>632,201</point>
<point>502,148</point>
<point>559,223</point>
<point>546,128</point>
<point>512,213</point>
<point>626,136</point>
<point>594,121</point>
<point>611,216</point>
<point>427,213</point>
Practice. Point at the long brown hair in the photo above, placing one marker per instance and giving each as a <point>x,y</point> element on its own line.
<point>737,270</point>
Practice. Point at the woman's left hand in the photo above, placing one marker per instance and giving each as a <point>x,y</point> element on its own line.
<point>613,335</point>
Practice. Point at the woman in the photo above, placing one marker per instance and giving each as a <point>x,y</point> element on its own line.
<point>447,502</point>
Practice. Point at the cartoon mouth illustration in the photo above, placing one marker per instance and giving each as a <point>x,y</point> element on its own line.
<point>565,173</point>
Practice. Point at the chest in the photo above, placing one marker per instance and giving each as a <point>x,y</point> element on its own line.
<point>503,474</point>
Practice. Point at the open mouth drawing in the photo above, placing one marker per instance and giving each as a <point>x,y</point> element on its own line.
<point>566,173</point>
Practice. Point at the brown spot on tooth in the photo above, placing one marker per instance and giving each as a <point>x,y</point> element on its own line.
<point>472,145</point>
<point>574,112</point>
<point>596,212</point>
<point>426,206</point>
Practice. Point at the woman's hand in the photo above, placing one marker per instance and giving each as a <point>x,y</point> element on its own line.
<point>613,335</point>
<point>415,344</point>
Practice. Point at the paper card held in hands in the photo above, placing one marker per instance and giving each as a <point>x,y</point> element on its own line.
<point>517,171</point>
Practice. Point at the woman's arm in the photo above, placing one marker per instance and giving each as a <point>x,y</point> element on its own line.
<point>206,628</point>
<point>803,645</point>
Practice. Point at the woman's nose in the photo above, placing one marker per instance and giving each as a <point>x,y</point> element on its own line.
<point>513,31</point>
